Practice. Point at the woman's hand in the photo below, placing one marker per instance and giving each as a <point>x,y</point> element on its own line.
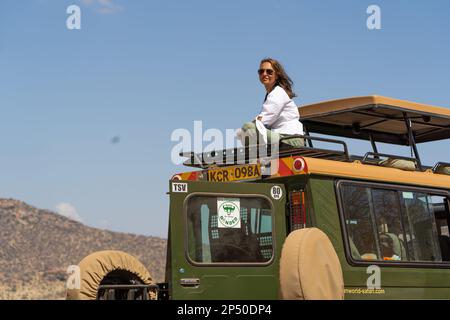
<point>259,118</point>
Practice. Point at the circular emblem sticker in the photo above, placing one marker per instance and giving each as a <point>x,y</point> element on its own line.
<point>229,213</point>
<point>276,192</point>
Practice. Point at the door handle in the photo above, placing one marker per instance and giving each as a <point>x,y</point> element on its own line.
<point>190,282</point>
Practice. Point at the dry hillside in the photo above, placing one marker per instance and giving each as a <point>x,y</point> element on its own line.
<point>37,246</point>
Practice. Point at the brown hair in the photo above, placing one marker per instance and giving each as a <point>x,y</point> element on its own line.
<point>283,79</point>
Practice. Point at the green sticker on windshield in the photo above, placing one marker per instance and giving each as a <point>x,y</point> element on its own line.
<point>228,211</point>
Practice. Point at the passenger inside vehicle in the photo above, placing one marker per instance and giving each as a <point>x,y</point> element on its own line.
<point>234,244</point>
<point>367,248</point>
<point>389,251</point>
<point>391,245</point>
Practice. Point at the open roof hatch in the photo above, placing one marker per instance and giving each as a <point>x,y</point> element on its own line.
<point>384,118</point>
<point>378,119</point>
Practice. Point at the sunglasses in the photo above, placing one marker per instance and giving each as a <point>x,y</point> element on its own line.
<point>268,71</point>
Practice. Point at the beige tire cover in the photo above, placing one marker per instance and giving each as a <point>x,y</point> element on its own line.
<point>310,268</point>
<point>97,265</point>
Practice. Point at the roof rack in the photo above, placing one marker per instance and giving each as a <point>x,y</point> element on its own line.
<point>252,153</point>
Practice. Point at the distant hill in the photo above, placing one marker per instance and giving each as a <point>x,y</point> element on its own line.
<point>38,245</point>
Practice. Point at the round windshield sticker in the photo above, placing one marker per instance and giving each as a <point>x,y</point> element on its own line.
<point>276,192</point>
<point>229,213</point>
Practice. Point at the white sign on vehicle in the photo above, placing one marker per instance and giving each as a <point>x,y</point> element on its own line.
<point>408,195</point>
<point>179,187</point>
<point>229,212</point>
<point>276,192</point>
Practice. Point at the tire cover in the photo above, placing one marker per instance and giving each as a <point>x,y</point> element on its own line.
<point>97,265</point>
<point>310,268</point>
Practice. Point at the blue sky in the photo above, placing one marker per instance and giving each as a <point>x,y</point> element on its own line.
<point>141,69</point>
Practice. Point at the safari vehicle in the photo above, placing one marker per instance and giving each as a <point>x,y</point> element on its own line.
<point>305,222</point>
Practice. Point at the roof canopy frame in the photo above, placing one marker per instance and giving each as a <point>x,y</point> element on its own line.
<point>411,140</point>
<point>375,117</point>
<point>401,119</point>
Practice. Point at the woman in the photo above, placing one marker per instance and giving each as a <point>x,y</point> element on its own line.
<point>279,112</point>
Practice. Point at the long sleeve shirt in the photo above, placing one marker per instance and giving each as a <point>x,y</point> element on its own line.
<point>280,113</point>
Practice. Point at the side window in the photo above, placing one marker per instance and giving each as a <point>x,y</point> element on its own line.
<point>423,241</point>
<point>395,225</point>
<point>358,220</point>
<point>390,231</point>
<point>440,207</point>
<point>230,230</point>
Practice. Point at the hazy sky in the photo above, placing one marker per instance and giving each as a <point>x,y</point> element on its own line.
<point>87,115</point>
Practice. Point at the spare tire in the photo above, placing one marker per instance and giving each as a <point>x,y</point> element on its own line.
<point>310,268</point>
<point>96,267</point>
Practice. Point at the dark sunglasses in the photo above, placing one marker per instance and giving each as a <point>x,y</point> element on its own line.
<point>268,71</point>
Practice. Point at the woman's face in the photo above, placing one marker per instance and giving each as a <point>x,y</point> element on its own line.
<point>267,77</point>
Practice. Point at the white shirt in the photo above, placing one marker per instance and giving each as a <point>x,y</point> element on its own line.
<point>280,114</point>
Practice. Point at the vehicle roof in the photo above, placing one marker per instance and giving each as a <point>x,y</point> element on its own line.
<point>358,170</point>
<point>381,117</point>
<point>353,170</point>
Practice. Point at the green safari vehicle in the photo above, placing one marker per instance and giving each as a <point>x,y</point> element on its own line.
<point>312,222</point>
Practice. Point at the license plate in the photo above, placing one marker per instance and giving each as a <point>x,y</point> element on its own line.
<point>249,171</point>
